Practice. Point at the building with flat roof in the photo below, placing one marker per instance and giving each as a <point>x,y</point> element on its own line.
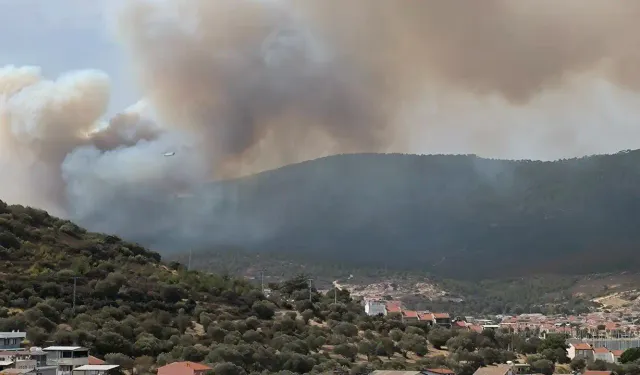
<point>66,358</point>
<point>12,340</point>
<point>95,369</point>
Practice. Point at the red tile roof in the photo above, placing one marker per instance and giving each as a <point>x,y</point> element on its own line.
<point>617,353</point>
<point>95,361</point>
<point>441,315</point>
<point>195,366</point>
<point>410,314</point>
<point>611,326</point>
<point>394,306</point>
<point>425,316</point>
<point>589,372</point>
<point>476,328</point>
<point>460,323</point>
<point>600,350</point>
<point>582,346</point>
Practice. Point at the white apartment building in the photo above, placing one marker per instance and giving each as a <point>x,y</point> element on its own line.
<point>375,307</point>
<point>25,362</point>
<point>66,358</point>
<point>11,340</point>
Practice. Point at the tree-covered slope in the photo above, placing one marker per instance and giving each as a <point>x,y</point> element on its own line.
<point>123,290</point>
<point>458,216</point>
<point>136,311</point>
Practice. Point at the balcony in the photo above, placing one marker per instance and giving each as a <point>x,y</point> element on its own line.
<point>75,362</point>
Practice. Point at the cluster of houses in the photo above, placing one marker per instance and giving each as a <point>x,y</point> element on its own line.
<point>52,360</point>
<point>374,307</point>
<point>68,360</point>
<point>75,360</point>
<point>596,325</point>
<point>433,371</point>
<point>589,353</point>
<point>509,368</point>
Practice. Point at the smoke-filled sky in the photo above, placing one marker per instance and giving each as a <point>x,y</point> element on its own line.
<point>94,92</point>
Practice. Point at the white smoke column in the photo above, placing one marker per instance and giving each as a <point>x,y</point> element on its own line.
<point>41,121</point>
<point>58,153</point>
<point>129,190</point>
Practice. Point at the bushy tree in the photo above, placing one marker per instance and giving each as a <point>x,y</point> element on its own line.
<point>347,351</point>
<point>630,355</point>
<point>263,309</point>
<point>543,366</point>
<point>438,337</point>
<point>226,368</point>
<point>578,364</point>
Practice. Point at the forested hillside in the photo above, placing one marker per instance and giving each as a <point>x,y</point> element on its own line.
<point>456,216</point>
<point>136,311</point>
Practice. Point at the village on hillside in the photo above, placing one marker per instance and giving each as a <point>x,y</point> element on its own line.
<point>598,335</point>
<point>601,325</point>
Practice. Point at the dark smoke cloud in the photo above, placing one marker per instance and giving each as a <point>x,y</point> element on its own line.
<point>239,86</point>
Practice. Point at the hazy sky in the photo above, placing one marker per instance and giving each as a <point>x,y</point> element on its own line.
<point>64,35</point>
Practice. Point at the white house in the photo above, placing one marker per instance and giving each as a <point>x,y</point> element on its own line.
<point>580,350</point>
<point>603,354</point>
<point>616,355</point>
<point>94,369</point>
<point>66,358</point>
<point>375,307</point>
<point>21,359</point>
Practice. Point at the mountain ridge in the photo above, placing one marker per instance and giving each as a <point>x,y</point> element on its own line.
<point>454,215</point>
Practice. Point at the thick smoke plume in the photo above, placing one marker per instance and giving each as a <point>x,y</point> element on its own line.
<point>238,86</point>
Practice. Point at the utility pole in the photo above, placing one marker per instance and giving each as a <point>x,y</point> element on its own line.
<point>310,281</point>
<point>189,264</point>
<point>262,280</point>
<point>75,278</point>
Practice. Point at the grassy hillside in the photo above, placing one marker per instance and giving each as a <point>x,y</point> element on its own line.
<point>454,216</point>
